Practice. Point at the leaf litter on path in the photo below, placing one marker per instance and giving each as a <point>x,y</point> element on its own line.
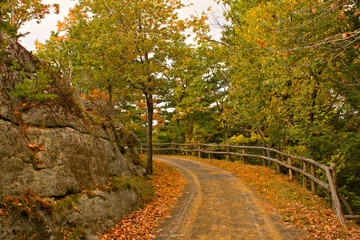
<point>141,224</point>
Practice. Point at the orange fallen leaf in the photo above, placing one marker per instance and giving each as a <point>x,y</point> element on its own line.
<point>40,148</point>
<point>32,145</point>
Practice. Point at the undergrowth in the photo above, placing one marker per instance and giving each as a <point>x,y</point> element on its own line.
<point>140,185</point>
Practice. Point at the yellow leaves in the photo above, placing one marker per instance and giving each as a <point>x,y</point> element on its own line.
<point>38,45</point>
<point>61,26</point>
<point>241,139</point>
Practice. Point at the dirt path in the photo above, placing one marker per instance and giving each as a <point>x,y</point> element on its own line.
<point>216,205</point>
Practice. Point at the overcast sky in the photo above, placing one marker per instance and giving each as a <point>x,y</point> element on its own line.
<point>42,31</point>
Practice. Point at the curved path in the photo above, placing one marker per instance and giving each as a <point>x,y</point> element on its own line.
<point>216,205</point>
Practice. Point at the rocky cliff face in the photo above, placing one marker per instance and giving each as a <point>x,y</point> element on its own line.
<point>54,151</point>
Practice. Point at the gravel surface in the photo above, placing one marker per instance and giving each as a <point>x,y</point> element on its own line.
<point>217,205</point>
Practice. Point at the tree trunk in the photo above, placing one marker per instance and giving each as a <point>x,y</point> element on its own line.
<point>150,107</point>
<point>314,95</point>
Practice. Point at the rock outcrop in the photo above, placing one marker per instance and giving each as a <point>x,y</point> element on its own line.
<point>54,150</point>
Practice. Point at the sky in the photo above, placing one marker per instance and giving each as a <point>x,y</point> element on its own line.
<point>42,31</point>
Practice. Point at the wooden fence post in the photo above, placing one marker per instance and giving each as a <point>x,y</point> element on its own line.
<point>244,158</point>
<point>264,154</point>
<point>227,155</point>
<point>268,154</point>
<point>305,180</point>
<point>334,178</point>
<point>290,170</point>
<point>313,172</point>
<point>199,153</point>
<point>278,165</point>
<point>335,198</point>
<point>209,155</point>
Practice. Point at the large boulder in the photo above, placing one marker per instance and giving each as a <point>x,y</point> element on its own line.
<point>53,149</point>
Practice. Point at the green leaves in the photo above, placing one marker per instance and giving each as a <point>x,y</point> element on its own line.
<point>35,85</point>
<point>14,13</point>
<point>294,74</point>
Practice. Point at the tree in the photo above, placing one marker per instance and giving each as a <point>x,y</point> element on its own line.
<point>197,97</point>
<point>295,77</point>
<point>15,13</point>
<point>123,45</point>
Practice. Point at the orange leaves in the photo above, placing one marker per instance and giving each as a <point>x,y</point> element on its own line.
<point>25,204</point>
<point>62,26</point>
<point>141,224</point>
<point>314,10</point>
<point>32,145</point>
<point>39,46</point>
<point>141,104</point>
<point>297,206</point>
<point>35,147</point>
<point>261,43</point>
<point>96,94</point>
<point>56,8</point>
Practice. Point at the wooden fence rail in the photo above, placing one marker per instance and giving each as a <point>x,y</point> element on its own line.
<point>309,168</point>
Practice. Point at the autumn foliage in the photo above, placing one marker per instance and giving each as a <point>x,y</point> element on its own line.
<point>141,224</point>
<point>15,13</point>
<point>296,206</point>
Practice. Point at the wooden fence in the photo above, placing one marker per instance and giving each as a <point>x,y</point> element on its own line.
<point>307,168</point>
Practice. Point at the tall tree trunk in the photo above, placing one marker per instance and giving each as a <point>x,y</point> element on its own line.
<point>314,95</point>
<point>313,104</point>
<point>150,107</point>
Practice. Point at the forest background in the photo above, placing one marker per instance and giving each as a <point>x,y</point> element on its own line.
<point>285,74</point>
